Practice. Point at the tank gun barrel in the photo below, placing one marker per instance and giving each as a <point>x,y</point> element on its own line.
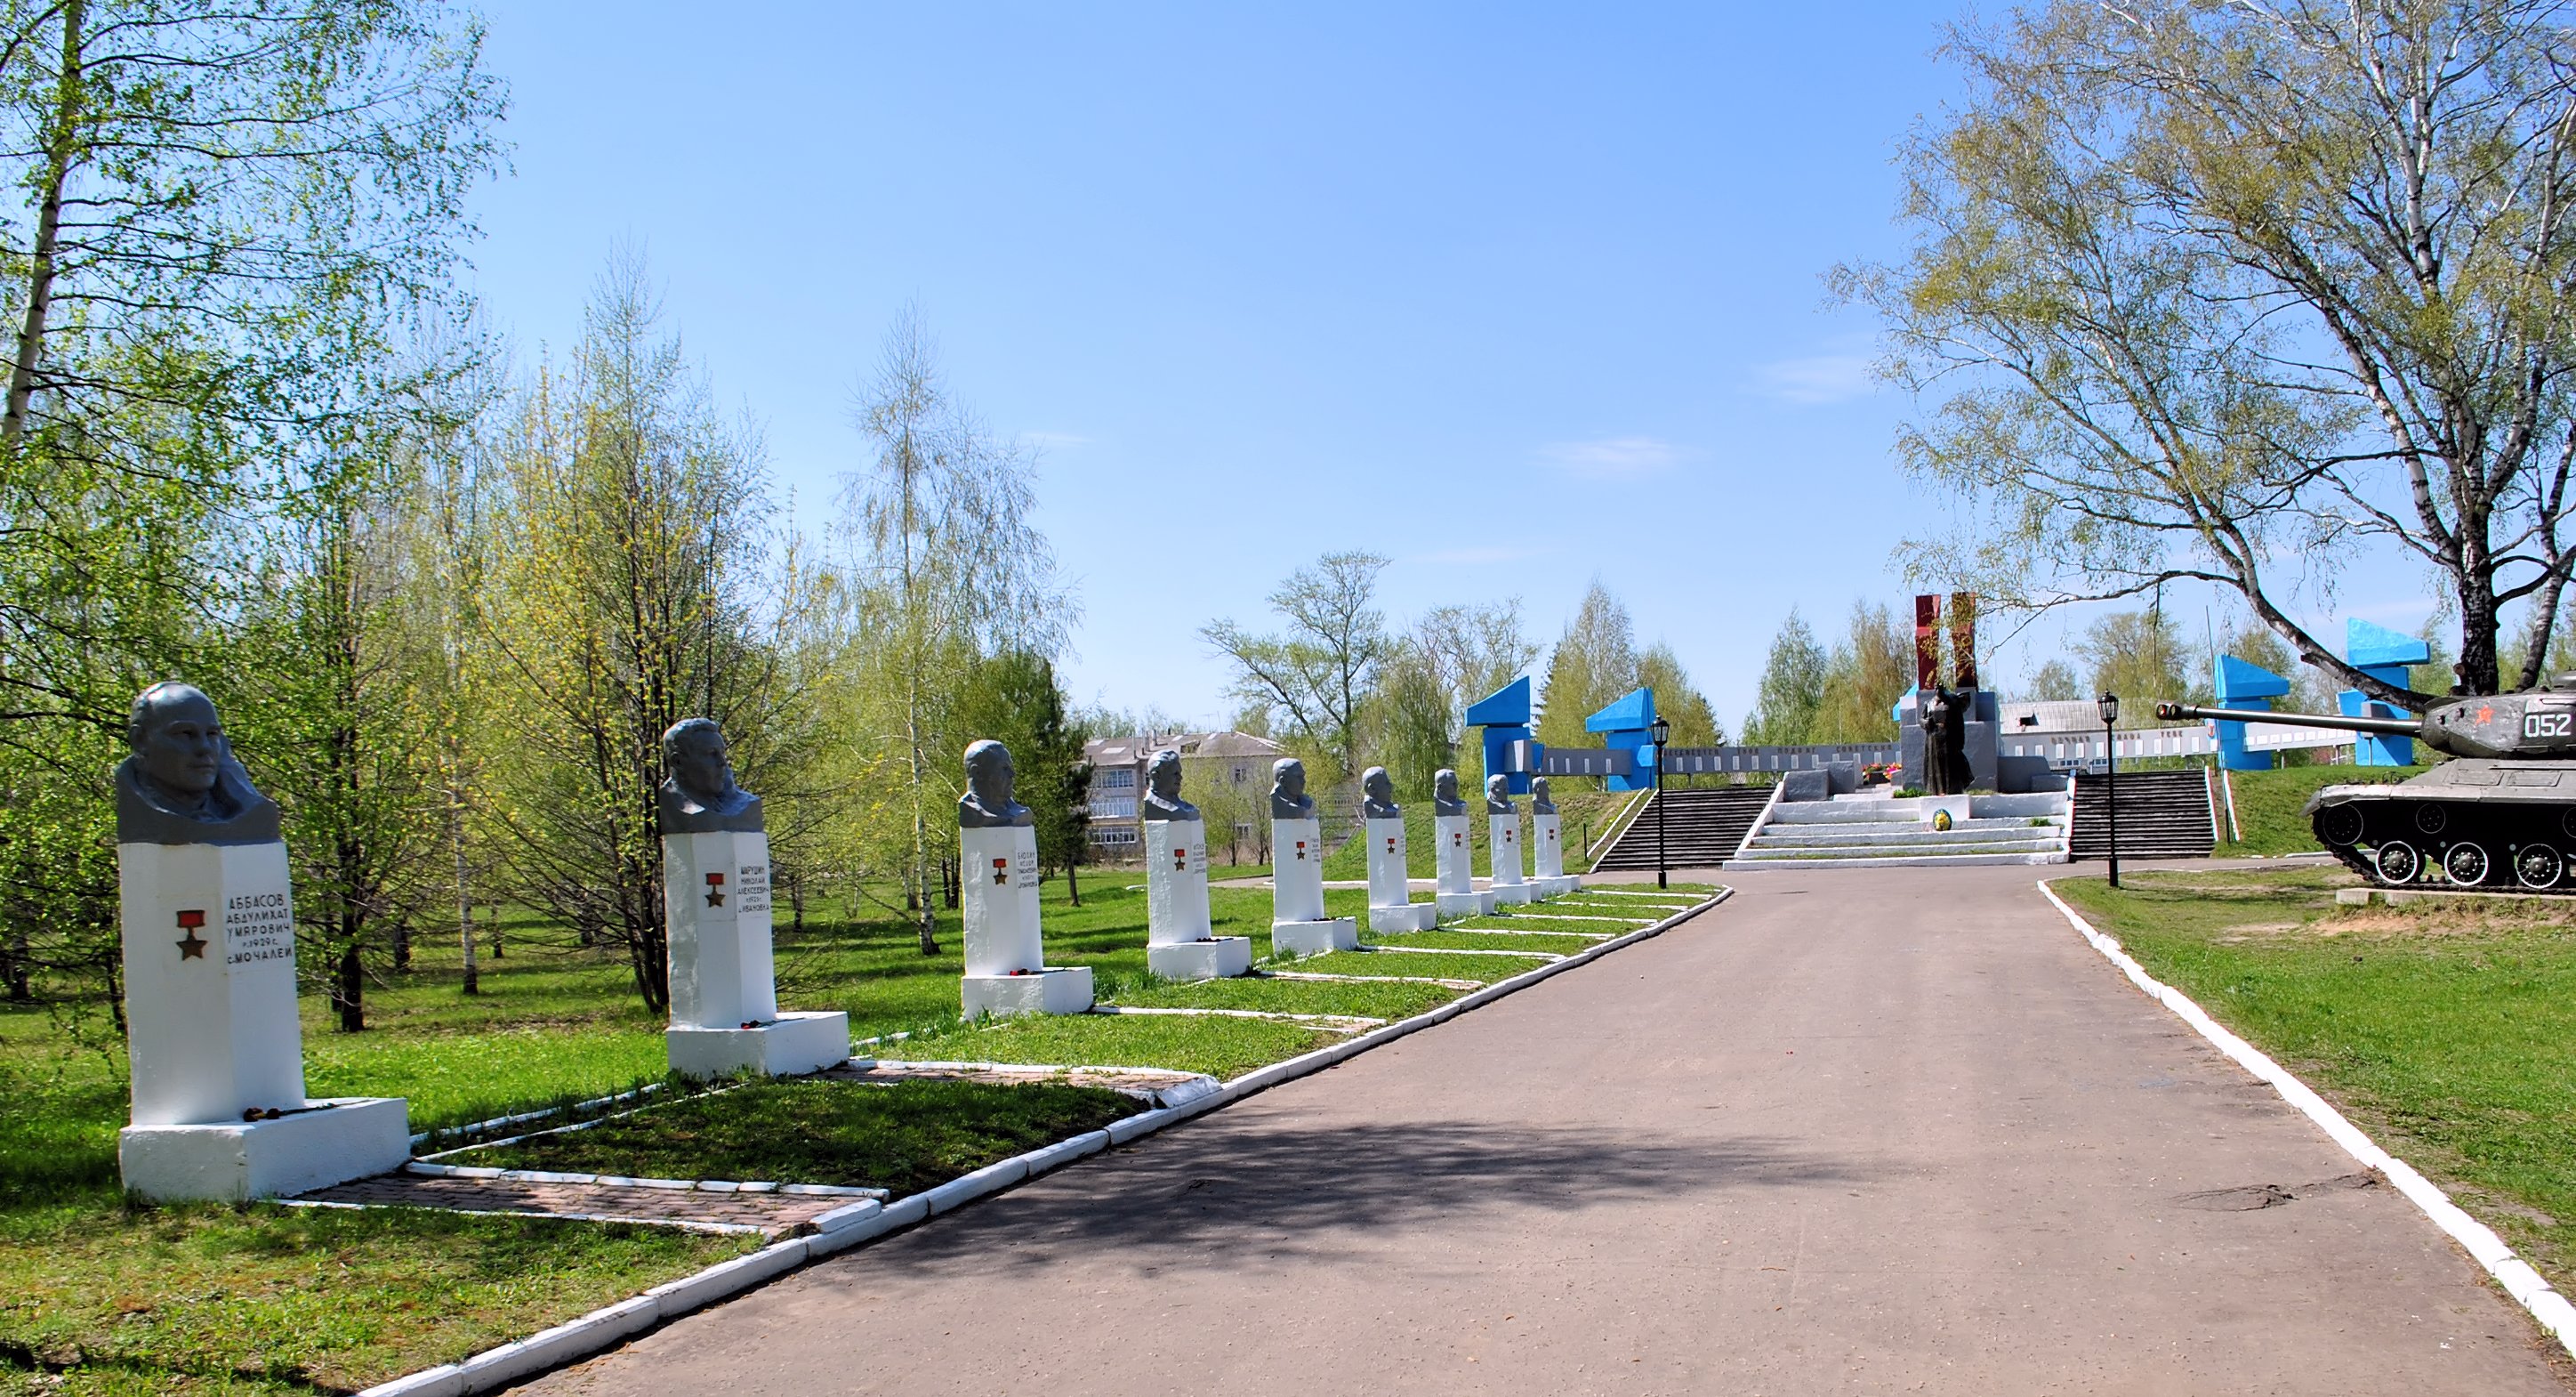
<point>2399,727</point>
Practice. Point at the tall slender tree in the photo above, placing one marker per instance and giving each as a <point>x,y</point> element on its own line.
<point>955,569</point>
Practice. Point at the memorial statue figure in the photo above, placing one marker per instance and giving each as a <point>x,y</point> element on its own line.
<point>181,784</point>
<point>699,796</point>
<point>1498,795</point>
<point>1288,798</point>
<point>1444,793</point>
<point>1163,789</point>
<point>1945,741</point>
<point>1539,803</point>
<point>1377,796</point>
<point>987,803</point>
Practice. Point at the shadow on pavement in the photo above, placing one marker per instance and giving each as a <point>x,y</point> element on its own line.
<point>1231,1199</point>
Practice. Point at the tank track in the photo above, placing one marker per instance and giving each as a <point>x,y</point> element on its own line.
<point>2500,835</point>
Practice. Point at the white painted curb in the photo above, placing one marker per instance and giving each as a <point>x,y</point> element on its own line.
<point>847,1227</point>
<point>2525,1285</point>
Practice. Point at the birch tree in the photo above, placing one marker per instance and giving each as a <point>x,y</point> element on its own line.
<point>939,522</point>
<point>2226,292</point>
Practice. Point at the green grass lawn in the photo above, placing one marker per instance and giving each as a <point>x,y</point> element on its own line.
<point>2447,1031</point>
<point>905,1137</point>
<point>265,1299</point>
<point>96,1296</point>
<point>2271,806</point>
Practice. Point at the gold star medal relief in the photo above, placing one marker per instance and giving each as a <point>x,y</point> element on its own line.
<point>715,890</point>
<point>192,946</point>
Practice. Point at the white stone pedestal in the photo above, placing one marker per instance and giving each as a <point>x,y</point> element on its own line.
<point>1391,904</point>
<point>1298,926</point>
<point>1178,942</point>
<point>1314,938</point>
<point>330,1142</point>
<point>209,947</point>
<point>1547,850</point>
<point>1453,865</point>
<point>1503,847</point>
<point>788,1045</point>
<point>1006,970</point>
<point>724,994</point>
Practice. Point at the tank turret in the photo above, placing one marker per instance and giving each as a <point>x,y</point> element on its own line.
<point>2500,814</point>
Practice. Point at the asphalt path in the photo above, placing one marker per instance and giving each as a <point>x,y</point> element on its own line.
<point>1883,1130</point>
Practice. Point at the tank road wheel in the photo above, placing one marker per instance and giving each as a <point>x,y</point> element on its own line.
<point>2397,862</point>
<point>2567,822</point>
<point>2466,863</point>
<point>2537,866</point>
<point>2431,818</point>
<point>2339,825</point>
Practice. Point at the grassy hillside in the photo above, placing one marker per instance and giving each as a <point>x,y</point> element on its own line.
<point>1578,811</point>
<point>2271,805</point>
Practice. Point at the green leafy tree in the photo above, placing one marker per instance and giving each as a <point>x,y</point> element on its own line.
<point>2238,292</point>
<point>1594,662</point>
<point>2143,657</point>
<point>628,559</point>
<point>953,566</point>
<point>1792,689</point>
<point>1870,668</point>
<point>1319,671</point>
<point>2054,682</point>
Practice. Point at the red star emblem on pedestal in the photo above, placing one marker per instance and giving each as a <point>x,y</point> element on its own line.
<point>192,946</point>
<point>715,890</point>
<point>1001,872</point>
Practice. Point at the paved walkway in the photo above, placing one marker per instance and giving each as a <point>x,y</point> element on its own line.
<point>1856,1131</point>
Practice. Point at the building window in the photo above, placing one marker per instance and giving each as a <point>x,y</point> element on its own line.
<point>1122,778</point>
<point>1240,771</point>
<point>1113,834</point>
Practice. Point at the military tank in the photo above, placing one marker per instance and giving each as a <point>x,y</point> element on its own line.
<point>2500,814</point>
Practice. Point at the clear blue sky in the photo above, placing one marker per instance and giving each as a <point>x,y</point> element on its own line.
<point>1517,296</point>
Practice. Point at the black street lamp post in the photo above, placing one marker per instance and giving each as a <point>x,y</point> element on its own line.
<point>1663,729</point>
<point>2109,704</point>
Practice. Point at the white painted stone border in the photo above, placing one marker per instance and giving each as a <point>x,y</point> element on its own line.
<point>2515,1275</point>
<point>843,1228</point>
<point>427,1169</point>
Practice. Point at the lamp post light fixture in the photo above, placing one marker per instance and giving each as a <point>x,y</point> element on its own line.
<point>1662,729</point>
<point>2109,705</point>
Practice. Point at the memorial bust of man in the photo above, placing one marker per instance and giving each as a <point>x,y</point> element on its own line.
<point>1377,796</point>
<point>1539,803</point>
<point>987,803</point>
<point>181,785</point>
<point>1498,795</point>
<point>1288,798</point>
<point>699,796</point>
<point>1163,789</point>
<point>1444,793</point>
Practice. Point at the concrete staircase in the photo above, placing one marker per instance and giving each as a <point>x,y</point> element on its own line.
<point>1879,831</point>
<point>2163,815</point>
<point>1701,828</point>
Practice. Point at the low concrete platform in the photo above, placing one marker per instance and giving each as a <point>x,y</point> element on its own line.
<point>1314,938</point>
<point>1412,916</point>
<point>790,1045</point>
<point>333,1140</point>
<point>1479,903</point>
<point>1217,958</point>
<point>1058,989</point>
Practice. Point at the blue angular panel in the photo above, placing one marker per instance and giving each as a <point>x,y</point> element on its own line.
<point>1634,712</point>
<point>2367,646</point>
<point>1508,706</point>
<point>2370,748</point>
<point>2239,680</point>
